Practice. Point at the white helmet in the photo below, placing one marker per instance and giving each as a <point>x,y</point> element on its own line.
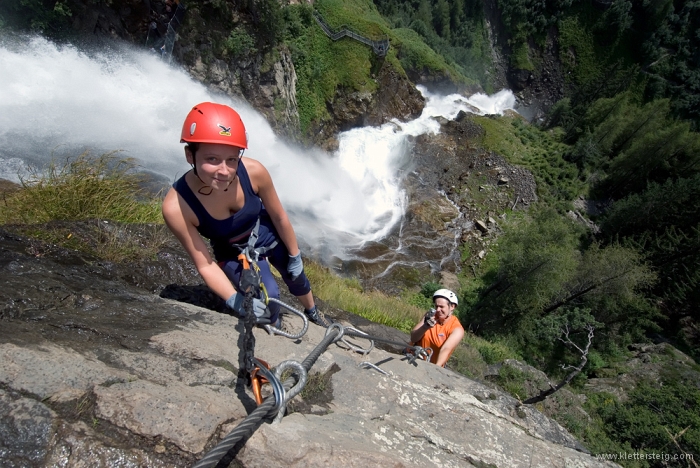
<point>447,294</point>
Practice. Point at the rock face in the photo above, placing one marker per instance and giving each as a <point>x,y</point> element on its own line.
<point>264,77</point>
<point>97,372</point>
<point>453,187</point>
<point>396,98</point>
<point>267,82</point>
<point>537,90</point>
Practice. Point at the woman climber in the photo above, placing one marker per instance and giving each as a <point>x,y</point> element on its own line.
<point>232,201</point>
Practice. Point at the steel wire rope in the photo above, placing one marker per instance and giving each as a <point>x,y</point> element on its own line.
<point>268,406</point>
<point>272,330</point>
<point>417,351</point>
<point>359,334</point>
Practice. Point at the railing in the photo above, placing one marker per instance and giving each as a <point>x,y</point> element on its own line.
<point>380,48</point>
<point>164,46</point>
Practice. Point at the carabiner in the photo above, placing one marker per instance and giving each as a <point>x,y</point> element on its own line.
<point>257,381</point>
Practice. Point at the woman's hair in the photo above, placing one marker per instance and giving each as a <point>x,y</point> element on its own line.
<point>193,147</point>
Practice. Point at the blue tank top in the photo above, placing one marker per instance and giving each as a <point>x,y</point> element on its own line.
<point>223,234</point>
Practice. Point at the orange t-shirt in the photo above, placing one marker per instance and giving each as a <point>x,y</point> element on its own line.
<point>436,336</point>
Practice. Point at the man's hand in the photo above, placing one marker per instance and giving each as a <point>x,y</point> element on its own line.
<point>429,318</point>
<point>262,313</point>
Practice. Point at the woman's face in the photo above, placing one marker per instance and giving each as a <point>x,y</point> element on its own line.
<point>216,164</point>
<point>443,309</point>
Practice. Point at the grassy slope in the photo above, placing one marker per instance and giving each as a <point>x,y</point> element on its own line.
<point>324,66</point>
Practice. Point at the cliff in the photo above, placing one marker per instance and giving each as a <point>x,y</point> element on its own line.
<point>97,371</point>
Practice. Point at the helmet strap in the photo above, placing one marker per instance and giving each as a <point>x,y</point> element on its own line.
<point>202,189</point>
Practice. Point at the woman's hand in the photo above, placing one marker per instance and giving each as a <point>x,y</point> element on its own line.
<point>262,313</point>
<point>295,266</point>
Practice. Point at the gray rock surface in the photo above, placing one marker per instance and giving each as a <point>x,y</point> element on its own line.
<point>97,372</point>
<point>181,392</point>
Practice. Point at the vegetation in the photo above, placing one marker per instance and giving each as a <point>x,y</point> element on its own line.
<point>656,419</point>
<point>542,152</point>
<point>105,187</point>
<point>105,190</point>
<point>323,66</point>
<point>452,28</point>
<point>347,294</point>
<point>625,136</point>
<point>37,16</point>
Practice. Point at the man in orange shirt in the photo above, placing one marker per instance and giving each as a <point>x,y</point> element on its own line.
<point>439,329</point>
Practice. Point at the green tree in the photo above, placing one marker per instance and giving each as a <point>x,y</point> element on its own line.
<point>661,149</point>
<point>616,20</point>
<point>268,20</point>
<point>44,16</point>
<point>670,59</point>
<point>545,268</point>
<point>653,416</point>
<point>424,15</point>
<point>664,222</point>
<point>536,257</point>
<point>441,19</point>
<point>633,144</point>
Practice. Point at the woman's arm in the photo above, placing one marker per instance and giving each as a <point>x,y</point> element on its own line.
<point>449,346</point>
<point>180,218</point>
<point>263,186</point>
<point>419,330</point>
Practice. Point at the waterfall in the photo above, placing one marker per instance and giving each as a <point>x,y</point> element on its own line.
<point>59,100</point>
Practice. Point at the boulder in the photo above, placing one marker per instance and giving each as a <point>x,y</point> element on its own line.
<point>481,226</point>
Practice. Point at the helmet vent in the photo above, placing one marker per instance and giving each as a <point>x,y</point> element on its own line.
<point>192,128</point>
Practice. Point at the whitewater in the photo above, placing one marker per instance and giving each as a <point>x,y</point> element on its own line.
<point>58,101</point>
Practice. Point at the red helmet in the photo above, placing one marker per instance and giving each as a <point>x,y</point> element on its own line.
<point>209,122</point>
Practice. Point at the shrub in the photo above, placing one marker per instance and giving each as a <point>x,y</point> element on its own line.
<point>239,42</point>
<point>83,188</point>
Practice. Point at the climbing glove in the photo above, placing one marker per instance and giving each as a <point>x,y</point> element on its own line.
<point>429,318</point>
<point>262,313</point>
<point>295,266</point>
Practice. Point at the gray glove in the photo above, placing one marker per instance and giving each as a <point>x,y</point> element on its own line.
<point>295,266</point>
<point>429,318</point>
<point>262,313</point>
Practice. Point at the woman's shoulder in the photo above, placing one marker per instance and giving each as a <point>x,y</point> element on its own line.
<point>253,166</point>
<point>175,209</point>
<point>257,173</point>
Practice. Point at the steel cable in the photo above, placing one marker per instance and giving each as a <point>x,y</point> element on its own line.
<point>268,406</point>
<point>358,334</point>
